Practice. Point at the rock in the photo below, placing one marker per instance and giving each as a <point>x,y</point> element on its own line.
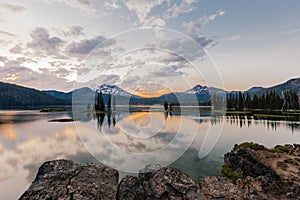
<point>268,174</point>
<point>155,182</point>
<point>258,173</point>
<point>220,188</point>
<point>245,161</point>
<point>130,187</point>
<point>65,179</point>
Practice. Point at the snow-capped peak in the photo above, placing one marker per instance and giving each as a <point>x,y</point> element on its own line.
<point>198,89</point>
<point>114,90</point>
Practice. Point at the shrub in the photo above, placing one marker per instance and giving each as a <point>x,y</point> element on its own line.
<point>281,149</point>
<point>252,145</point>
<point>232,175</point>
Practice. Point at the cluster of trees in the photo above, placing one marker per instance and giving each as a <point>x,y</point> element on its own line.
<point>99,102</point>
<point>269,100</point>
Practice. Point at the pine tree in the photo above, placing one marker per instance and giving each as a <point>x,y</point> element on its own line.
<point>101,102</point>
<point>109,102</point>
<point>248,101</point>
<point>240,101</point>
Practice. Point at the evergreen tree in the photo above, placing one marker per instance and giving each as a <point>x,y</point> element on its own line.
<point>109,102</point>
<point>248,102</point>
<point>101,102</point>
<point>240,101</point>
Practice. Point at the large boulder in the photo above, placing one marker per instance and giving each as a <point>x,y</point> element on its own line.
<point>159,183</point>
<point>64,179</point>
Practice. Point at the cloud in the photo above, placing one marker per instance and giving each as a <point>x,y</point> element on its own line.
<point>41,41</point>
<point>235,37</point>
<point>16,49</point>
<point>205,42</point>
<point>191,1</point>
<point>142,9</point>
<point>112,5</point>
<point>290,32</point>
<point>15,73</point>
<point>130,80</point>
<point>3,59</point>
<point>193,27</point>
<point>86,46</point>
<point>73,31</point>
<point>167,71</point>
<point>208,18</point>
<point>110,79</point>
<point>83,5</point>
<point>176,10</point>
<point>7,34</point>
<point>154,22</point>
<point>11,7</point>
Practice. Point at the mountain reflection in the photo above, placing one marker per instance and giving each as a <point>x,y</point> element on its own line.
<point>109,118</point>
<point>142,118</point>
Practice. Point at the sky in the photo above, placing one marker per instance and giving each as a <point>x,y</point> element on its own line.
<point>149,47</point>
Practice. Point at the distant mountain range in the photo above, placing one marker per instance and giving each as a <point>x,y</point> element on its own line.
<point>13,95</point>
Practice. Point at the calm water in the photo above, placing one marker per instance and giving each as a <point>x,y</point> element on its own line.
<point>27,139</point>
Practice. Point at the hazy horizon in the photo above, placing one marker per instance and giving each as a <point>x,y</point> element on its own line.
<point>157,95</point>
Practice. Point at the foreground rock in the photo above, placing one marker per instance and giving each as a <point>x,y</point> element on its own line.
<point>64,179</point>
<point>254,172</point>
<point>265,173</point>
<point>155,183</point>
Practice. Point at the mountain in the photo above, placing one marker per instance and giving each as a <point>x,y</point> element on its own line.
<point>192,96</point>
<point>60,95</point>
<point>292,84</point>
<point>13,95</point>
<point>198,89</point>
<point>18,96</point>
<point>115,90</point>
<point>81,96</point>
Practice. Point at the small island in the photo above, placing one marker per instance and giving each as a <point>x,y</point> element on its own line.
<point>53,110</point>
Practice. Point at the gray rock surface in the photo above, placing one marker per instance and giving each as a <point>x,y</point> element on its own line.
<point>64,179</point>
<point>220,188</point>
<point>155,182</point>
<point>130,188</point>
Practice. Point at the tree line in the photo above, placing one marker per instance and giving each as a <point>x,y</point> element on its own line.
<point>269,100</point>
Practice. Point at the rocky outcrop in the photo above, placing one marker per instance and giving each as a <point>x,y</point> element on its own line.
<point>219,188</point>
<point>64,179</point>
<point>159,183</point>
<point>268,173</point>
<point>254,172</point>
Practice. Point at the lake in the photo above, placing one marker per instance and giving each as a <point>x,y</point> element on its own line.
<point>128,139</point>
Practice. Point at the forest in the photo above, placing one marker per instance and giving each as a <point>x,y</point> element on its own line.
<point>268,101</point>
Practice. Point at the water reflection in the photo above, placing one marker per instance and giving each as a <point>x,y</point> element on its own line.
<point>271,122</point>
<point>27,139</point>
